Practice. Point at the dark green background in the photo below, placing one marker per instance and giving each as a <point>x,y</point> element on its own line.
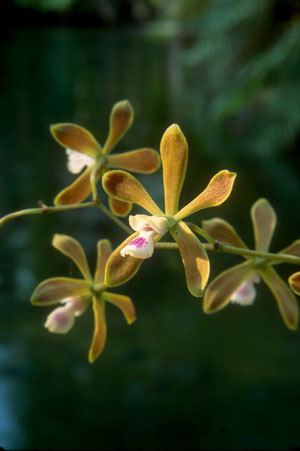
<point>176,378</point>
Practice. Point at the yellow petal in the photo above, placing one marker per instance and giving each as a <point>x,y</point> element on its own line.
<point>100,331</point>
<point>124,303</point>
<point>174,155</point>
<point>194,258</point>
<point>118,207</point>
<point>104,250</point>
<point>294,281</point>
<point>285,299</point>
<point>72,249</point>
<point>54,290</point>
<point>144,161</point>
<point>123,186</point>
<point>121,269</point>
<point>216,192</point>
<point>221,289</point>
<point>222,231</point>
<point>77,138</point>
<point>121,118</point>
<point>264,222</point>
<point>292,249</point>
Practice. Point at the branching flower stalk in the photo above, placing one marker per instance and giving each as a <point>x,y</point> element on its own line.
<point>115,267</point>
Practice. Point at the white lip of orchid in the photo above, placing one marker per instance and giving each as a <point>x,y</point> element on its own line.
<point>62,319</point>
<point>148,227</point>
<point>77,161</point>
<point>246,292</point>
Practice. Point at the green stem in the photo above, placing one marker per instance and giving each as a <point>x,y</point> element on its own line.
<point>201,232</point>
<point>44,209</point>
<point>113,217</point>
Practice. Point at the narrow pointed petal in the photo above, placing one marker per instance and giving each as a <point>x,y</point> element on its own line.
<point>118,207</point>
<point>72,249</point>
<point>104,251</point>
<point>264,222</point>
<point>216,192</point>
<point>124,303</point>
<point>144,161</point>
<point>125,187</point>
<point>174,155</point>
<point>285,299</point>
<point>194,258</point>
<point>294,281</point>
<point>220,291</point>
<point>292,249</point>
<point>121,118</point>
<point>121,269</point>
<point>77,138</point>
<point>222,231</point>
<point>54,290</point>
<point>100,330</point>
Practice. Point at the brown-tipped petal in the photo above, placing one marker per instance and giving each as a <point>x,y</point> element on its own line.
<point>54,290</point>
<point>121,269</point>
<point>72,249</point>
<point>124,303</point>
<point>104,250</point>
<point>222,231</point>
<point>121,118</point>
<point>294,281</point>
<point>77,191</point>
<point>292,249</point>
<point>118,207</point>
<point>100,330</point>
<point>216,192</point>
<point>144,161</point>
<point>194,258</point>
<point>264,222</point>
<point>76,138</point>
<point>174,155</point>
<point>285,299</point>
<point>221,289</point>
<point>125,187</point>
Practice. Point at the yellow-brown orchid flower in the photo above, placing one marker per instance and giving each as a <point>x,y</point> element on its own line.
<point>237,283</point>
<point>83,150</point>
<point>294,281</point>
<point>77,294</point>
<point>127,258</point>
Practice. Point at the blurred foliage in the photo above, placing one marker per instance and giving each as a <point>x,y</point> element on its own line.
<point>245,57</point>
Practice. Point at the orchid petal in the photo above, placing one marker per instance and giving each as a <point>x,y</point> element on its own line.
<point>264,221</point>
<point>100,330</point>
<point>72,249</point>
<point>61,320</point>
<point>77,161</point>
<point>220,291</point>
<point>285,299</point>
<point>144,161</point>
<point>54,290</point>
<point>118,207</point>
<point>246,292</point>
<point>222,231</point>
<point>194,258</point>
<point>294,281</point>
<point>121,118</point>
<point>140,222</point>
<point>292,249</point>
<point>104,250</point>
<point>174,154</point>
<point>125,187</point>
<point>124,303</point>
<point>74,137</point>
<point>216,192</point>
<point>121,269</point>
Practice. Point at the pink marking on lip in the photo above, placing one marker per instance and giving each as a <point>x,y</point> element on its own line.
<point>139,242</point>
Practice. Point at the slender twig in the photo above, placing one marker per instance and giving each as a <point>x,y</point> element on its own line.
<point>113,217</point>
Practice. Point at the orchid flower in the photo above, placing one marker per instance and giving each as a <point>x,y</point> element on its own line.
<point>83,151</point>
<point>127,258</point>
<point>237,283</point>
<point>294,281</point>
<point>75,295</point>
